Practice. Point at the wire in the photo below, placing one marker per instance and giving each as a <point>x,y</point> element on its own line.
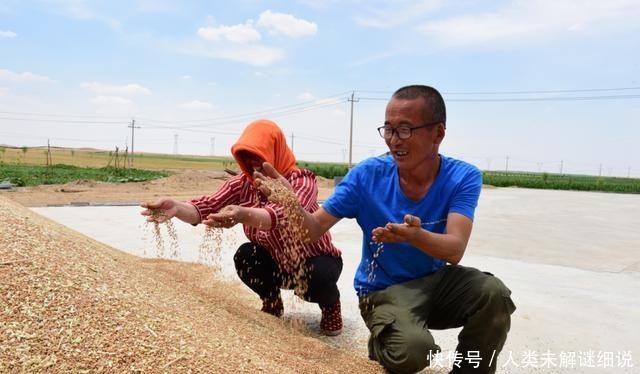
<point>540,91</point>
<point>61,121</point>
<point>532,92</point>
<point>62,115</point>
<point>285,108</point>
<point>557,98</point>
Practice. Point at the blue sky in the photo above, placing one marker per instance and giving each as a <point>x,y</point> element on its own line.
<point>540,85</point>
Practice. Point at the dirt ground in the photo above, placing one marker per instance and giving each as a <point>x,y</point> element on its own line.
<point>72,304</point>
<point>182,185</point>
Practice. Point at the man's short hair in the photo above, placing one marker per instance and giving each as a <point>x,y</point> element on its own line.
<point>434,109</point>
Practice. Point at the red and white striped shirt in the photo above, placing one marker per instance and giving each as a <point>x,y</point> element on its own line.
<point>239,190</point>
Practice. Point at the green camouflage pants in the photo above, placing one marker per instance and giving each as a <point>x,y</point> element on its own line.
<point>399,319</point>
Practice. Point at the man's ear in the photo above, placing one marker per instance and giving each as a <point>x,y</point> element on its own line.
<point>440,132</point>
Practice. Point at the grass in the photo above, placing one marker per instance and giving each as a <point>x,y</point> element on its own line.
<point>34,175</point>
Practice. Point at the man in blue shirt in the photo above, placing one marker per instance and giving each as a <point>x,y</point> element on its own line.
<point>415,208</point>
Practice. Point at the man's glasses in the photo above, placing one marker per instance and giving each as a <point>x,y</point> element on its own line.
<point>403,132</point>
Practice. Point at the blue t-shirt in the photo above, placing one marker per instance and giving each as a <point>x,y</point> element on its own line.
<point>371,194</point>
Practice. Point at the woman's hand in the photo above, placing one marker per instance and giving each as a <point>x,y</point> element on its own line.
<point>160,210</point>
<point>226,217</point>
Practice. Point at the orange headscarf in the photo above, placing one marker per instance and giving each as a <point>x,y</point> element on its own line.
<point>265,139</point>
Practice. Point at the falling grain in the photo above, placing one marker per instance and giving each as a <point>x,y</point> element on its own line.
<point>373,264</point>
<point>210,248</point>
<point>174,248</point>
<point>291,260</point>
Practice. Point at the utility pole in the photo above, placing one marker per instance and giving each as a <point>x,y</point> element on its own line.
<point>561,165</point>
<point>49,161</point>
<point>213,146</point>
<point>351,131</point>
<point>291,141</point>
<point>600,171</point>
<point>133,127</point>
<point>175,144</point>
<point>506,165</point>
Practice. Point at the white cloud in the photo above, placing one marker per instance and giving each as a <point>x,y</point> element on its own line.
<point>79,9</point>
<point>113,105</point>
<point>111,100</point>
<point>158,6</point>
<point>7,34</point>
<point>103,12</point>
<point>521,21</point>
<point>196,104</point>
<point>8,75</point>
<point>186,77</point>
<point>286,24</point>
<point>306,96</point>
<point>242,42</point>
<point>245,33</point>
<point>395,13</point>
<point>251,54</point>
<point>107,89</point>
<point>319,4</point>
<point>257,55</point>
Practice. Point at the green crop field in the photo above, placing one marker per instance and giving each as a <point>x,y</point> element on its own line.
<point>101,158</point>
<point>562,182</point>
<point>38,165</point>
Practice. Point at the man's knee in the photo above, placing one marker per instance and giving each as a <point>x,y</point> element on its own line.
<point>404,349</point>
<point>499,303</point>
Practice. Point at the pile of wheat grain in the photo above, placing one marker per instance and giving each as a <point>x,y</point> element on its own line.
<point>71,304</point>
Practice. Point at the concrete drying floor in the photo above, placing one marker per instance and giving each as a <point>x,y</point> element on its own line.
<point>571,259</point>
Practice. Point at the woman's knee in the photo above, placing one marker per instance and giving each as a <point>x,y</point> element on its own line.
<point>324,269</point>
<point>243,253</point>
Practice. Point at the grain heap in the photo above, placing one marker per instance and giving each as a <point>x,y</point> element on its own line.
<point>72,304</point>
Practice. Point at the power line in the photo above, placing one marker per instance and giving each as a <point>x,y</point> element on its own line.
<point>60,121</point>
<point>330,101</point>
<point>558,98</point>
<point>523,99</point>
<point>280,114</point>
<point>286,108</point>
<point>541,91</point>
<point>62,115</point>
<point>57,139</point>
<point>521,92</point>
